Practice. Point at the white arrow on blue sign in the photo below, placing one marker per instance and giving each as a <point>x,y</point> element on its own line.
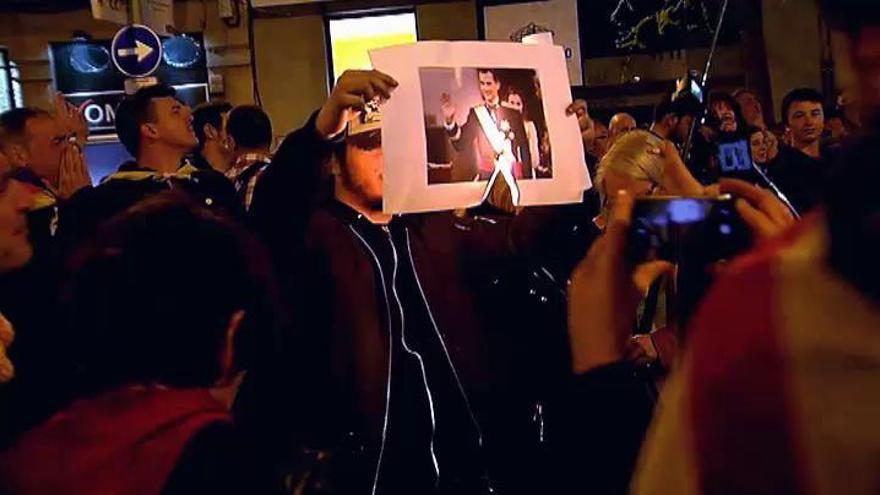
<point>136,51</point>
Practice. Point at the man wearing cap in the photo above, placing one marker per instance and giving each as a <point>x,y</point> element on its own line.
<point>403,346</point>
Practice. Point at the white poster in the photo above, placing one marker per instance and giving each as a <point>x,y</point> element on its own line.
<point>468,114</point>
<point>157,14</point>
<point>512,22</point>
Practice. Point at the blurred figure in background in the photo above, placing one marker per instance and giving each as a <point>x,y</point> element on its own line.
<point>250,138</point>
<point>751,106</point>
<point>726,117</point>
<point>209,122</point>
<point>620,123</point>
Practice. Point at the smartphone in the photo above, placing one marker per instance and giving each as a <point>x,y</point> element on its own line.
<point>693,233</point>
<point>672,228</point>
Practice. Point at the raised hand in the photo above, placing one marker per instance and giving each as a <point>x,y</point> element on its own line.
<point>353,90</point>
<point>448,108</point>
<point>72,119</point>
<point>765,215</point>
<point>73,174</point>
<point>579,108</point>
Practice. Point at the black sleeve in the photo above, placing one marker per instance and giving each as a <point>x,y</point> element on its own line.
<point>596,426</point>
<point>288,189</point>
<point>468,132</point>
<point>219,461</point>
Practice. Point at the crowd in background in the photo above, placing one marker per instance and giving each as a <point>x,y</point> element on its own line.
<point>221,317</point>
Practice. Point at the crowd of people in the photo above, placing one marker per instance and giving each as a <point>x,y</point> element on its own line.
<point>216,317</point>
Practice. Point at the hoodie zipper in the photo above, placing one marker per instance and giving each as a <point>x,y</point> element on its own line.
<point>413,353</point>
<point>390,343</point>
<point>390,353</point>
<point>446,352</point>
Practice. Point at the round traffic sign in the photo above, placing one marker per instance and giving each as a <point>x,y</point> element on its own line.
<point>136,50</point>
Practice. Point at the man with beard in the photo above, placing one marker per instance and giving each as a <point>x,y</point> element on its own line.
<point>409,326</point>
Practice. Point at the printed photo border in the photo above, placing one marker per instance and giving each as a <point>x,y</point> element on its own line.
<point>406,188</point>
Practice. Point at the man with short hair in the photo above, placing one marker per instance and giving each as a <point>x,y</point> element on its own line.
<point>209,122</point>
<point>47,160</point>
<point>472,137</point>
<point>804,115</point>
<point>250,139</point>
<point>157,129</point>
<point>620,123</point>
<point>674,118</point>
<point>801,169</point>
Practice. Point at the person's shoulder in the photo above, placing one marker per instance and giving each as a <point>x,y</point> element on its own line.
<point>218,459</point>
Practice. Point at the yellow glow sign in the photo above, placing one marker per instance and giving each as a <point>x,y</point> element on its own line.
<point>352,38</point>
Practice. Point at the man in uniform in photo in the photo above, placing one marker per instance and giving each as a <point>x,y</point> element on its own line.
<point>486,122</point>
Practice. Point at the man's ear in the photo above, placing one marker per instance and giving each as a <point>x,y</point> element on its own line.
<point>150,131</point>
<point>210,132</point>
<point>227,354</point>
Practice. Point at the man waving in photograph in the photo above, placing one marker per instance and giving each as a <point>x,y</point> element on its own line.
<point>489,128</point>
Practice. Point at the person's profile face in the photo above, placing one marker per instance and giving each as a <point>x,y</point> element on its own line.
<point>489,86</point>
<point>758,144</point>
<point>15,199</point>
<point>174,123</point>
<point>47,140</point>
<point>363,173</point>
<point>515,101</point>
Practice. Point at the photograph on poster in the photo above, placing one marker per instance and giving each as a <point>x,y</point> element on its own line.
<point>465,106</point>
<point>470,117</point>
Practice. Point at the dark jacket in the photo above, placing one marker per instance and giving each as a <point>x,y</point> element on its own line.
<point>801,178</point>
<point>490,332</point>
<point>90,207</point>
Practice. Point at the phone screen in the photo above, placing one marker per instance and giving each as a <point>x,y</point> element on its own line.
<point>693,233</point>
<point>670,228</point>
<point>735,157</point>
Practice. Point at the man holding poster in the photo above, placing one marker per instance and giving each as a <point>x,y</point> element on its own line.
<point>486,121</point>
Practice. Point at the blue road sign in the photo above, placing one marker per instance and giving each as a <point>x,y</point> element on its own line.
<point>136,51</point>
